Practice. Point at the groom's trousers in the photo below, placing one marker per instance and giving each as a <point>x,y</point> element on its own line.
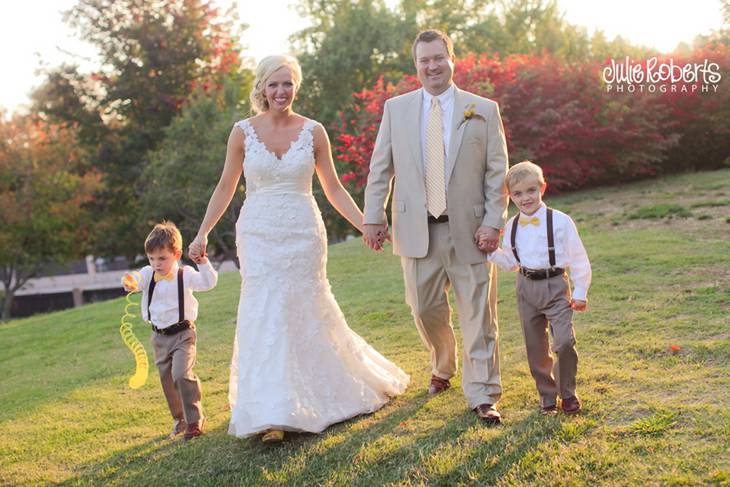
<point>427,281</point>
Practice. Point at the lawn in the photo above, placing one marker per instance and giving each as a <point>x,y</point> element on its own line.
<point>654,375</point>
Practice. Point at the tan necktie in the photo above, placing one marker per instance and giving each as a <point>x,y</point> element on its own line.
<point>435,185</point>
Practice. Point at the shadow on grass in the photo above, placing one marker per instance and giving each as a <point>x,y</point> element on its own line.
<point>123,464</point>
<point>368,450</point>
<point>218,458</point>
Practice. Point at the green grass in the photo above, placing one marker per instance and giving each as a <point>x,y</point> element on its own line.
<point>663,210</point>
<point>655,424</point>
<point>652,416</point>
<point>711,204</point>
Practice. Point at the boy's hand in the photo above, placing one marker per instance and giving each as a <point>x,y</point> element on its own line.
<point>201,260</point>
<point>578,304</point>
<point>487,239</point>
<point>130,282</point>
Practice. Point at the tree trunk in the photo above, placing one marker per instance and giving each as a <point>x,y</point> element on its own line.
<point>7,304</point>
<point>7,272</point>
<point>13,279</point>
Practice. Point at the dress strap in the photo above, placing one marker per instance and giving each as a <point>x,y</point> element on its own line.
<point>306,138</point>
<point>243,125</point>
<point>248,130</point>
<point>309,125</point>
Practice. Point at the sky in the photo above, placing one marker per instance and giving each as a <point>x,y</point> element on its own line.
<point>33,34</point>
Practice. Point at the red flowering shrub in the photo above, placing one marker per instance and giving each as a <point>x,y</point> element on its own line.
<point>702,119</point>
<point>562,117</point>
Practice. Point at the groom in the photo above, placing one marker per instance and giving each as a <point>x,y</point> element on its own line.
<point>447,152</point>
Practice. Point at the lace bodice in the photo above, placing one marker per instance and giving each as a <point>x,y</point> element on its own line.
<point>264,172</point>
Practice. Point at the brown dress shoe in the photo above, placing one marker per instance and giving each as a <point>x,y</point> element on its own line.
<point>488,413</point>
<point>178,426</point>
<point>194,430</point>
<point>438,385</point>
<point>570,405</point>
<point>549,410</point>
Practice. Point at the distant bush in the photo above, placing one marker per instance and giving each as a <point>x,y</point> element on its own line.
<point>561,116</point>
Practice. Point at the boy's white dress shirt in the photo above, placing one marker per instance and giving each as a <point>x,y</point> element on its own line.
<point>532,248</point>
<point>164,306</point>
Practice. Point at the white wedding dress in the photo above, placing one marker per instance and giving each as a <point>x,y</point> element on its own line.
<point>296,364</point>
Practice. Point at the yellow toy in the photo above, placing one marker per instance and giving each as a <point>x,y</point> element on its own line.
<point>131,281</point>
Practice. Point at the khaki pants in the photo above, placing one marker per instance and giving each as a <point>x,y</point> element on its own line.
<point>545,304</point>
<point>427,282</point>
<point>175,358</point>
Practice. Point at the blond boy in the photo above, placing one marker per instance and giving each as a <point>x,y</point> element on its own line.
<point>541,244</point>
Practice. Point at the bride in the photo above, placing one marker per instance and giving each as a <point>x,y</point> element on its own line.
<point>296,364</point>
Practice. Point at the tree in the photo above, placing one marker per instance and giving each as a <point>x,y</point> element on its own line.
<point>555,113</point>
<point>185,168</point>
<point>45,194</point>
<point>154,54</point>
<point>702,119</point>
<point>354,44</point>
<point>719,36</point>
<point>350,44</point>
<point>67,98</point>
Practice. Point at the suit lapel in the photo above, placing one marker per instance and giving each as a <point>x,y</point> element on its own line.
<point>413,127</point>
<point>457,132</point>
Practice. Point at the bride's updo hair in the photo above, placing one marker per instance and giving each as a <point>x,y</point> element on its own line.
<point>268,66</point>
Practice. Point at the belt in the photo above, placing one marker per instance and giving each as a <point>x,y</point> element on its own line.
<point>441,219</point>
<point>173,329</point>
<point>540,274</point>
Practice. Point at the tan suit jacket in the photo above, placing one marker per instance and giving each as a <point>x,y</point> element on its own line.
<point>475,170</point>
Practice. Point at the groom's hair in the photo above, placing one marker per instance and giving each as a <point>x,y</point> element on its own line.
<point>165,235</point>
<point>430,35</point>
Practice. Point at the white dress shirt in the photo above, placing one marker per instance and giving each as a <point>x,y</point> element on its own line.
<point>164,306</point>
<point>532,248</point>
<point>446,99</point>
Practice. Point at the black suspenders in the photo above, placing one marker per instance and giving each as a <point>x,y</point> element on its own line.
<point>149,295</point>
<point>512,240</point>
<point>180,295</point>
<point>550,237</point>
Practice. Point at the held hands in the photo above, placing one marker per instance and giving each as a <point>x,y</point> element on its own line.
<point>578,305</point>
<point>197,249</point>
<point>487,239</point>
<point>375,236</point>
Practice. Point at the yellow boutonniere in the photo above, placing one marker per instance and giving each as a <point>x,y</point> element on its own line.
<point>469,113</point>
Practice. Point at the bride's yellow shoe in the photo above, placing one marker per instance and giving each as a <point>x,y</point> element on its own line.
<point>273,436</point>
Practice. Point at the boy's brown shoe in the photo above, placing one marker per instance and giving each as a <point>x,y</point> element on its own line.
<point>570,405</point>
<point>178,427</point>
<point>549,410</point>
<point>438,385</point>
<point>194,430</point>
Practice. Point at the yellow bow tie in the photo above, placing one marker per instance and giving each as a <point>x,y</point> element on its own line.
<point>534,221</point>
<point>159,277</point>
